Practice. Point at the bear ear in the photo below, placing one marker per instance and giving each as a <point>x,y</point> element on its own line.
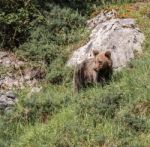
<point>95,52</point>
<point>108,54</point>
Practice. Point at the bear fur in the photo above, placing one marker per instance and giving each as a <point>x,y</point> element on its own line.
<point>97,70</point>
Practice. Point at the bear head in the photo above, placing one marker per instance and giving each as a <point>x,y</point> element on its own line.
<point>102,60</point>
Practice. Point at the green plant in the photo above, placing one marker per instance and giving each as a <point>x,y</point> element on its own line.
<point>95,117</point>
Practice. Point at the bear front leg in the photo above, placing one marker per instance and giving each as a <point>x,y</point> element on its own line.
<point>78,80</point>
<point>95,78</point>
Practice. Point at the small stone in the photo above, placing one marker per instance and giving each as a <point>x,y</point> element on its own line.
<point>1,80</point>
<point>18,64</point>
<point>27,77</point>
<point>3,99</point>
<point>10,94</point>
<point>1,93</point>
<point>7,100</point>
<point>6,62</point>
<point>36,89</point>
<point>3,54</point>
<point>8,110</point>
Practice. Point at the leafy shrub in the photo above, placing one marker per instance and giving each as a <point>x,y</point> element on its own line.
<point>98,108</point>
<point>47,41</point>
<point>72,134</point>
<point>135,123</point>
<point>17,17</point>
<point>141,108</point>
<point>37,109</point>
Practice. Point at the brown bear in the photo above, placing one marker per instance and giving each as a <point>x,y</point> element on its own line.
<point>97,70</point>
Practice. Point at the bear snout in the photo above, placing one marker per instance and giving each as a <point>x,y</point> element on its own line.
<point>98,68</point>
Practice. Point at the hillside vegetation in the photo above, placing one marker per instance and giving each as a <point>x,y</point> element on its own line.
<point>116,115</point>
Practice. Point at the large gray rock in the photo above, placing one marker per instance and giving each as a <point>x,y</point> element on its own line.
<point>120,36</point>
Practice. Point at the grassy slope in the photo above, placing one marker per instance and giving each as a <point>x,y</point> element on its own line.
<point>118,115</point>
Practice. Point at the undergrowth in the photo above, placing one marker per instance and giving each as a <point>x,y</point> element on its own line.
<point>116,115</point>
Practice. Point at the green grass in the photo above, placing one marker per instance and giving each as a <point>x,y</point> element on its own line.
<point>117,115</point>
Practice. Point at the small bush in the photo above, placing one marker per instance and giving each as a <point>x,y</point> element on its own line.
<point>99,108</point>
<point>134,123</point>
<point>72,135</point>
<point>17,17</point>
<point>141,108</point>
